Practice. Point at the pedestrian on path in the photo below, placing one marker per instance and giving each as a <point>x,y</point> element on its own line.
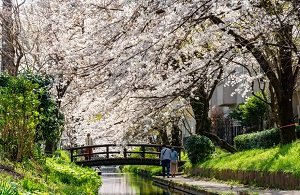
<point>88,150</point>
<point>165,159</point>
<point>174,162</point>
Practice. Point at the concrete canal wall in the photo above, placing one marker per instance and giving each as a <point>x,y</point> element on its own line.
<point>181,187</point>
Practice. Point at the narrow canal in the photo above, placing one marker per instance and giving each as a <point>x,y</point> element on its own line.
<point>129,184</point>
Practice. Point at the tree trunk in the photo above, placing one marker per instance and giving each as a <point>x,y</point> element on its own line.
<point>284,91</point>
<point>49,147</point>
<point>164,137</point>
<point>8,50</point>
<point>220,142</point>
<point>201,107</point>
<point>273,109</point>
<point>176,136</point>
<point>286,119</point>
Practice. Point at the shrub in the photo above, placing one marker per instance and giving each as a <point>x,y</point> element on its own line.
<point>262,139</point>
<point>199,148</point>
<point>18,116</point>
<point>28,116</point>
<point>51,120</point>
<point>252,113</point>
<point>8,188</point>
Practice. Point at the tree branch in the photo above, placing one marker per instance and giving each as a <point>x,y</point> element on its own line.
<point>258,54</point>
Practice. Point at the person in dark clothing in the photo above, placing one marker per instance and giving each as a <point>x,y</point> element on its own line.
<point>165,159</point>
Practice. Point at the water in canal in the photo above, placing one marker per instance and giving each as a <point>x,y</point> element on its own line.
<point>122,183</point>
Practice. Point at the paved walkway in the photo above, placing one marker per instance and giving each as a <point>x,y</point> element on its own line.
<point>222,188</point>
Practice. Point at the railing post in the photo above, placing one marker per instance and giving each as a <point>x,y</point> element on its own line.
<point>158,149</point>
<point>71,151</point>
<point>125,152</point>
<point>107,151</point>
<point>143,151</point>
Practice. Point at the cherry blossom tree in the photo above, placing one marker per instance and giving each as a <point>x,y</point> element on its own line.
<point>272,41</point>
<point>126,59</point>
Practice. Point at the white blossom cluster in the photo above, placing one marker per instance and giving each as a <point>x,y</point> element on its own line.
<point>126,59</point>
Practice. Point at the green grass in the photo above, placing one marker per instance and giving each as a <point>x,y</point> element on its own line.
<point>143,169</point>
<point>8,188</point>
<point>140,169</point>
<point>281,158</point>
<point>150,170</point>
<point>57,175</point>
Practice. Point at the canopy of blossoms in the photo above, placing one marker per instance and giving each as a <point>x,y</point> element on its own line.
<point>124,60</point>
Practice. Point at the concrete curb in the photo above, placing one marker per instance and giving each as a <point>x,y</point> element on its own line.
<point>181,187</point>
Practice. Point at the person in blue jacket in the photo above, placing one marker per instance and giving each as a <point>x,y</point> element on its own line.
<point>165,159</point>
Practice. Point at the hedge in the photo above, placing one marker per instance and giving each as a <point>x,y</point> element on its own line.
<point>262,139</point>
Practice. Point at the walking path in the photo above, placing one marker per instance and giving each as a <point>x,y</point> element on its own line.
<point>215,187</point>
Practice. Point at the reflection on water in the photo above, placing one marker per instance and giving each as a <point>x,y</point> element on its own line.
<point>118,183</point>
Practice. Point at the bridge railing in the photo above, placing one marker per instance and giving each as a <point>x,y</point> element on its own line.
<point>127,151</point>
<point>143,150</point>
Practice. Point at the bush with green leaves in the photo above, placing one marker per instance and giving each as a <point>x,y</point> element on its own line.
<point>28,116</point>
<point>8,188</point>
<point>199,148</point>
<point>251,113</point>
<point>19,102</point>
<point>262,139</point>
<point>51,119</point>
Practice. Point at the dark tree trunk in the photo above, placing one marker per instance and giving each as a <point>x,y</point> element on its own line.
<point>201,107</point>
<point>284,92</point>
<point>8,50</point>
<point>164,137</point>
<point>176,136</point>
<point>49,147</point>
<point>220,142</point>
<point>286,119</point>
<point>273,109</point>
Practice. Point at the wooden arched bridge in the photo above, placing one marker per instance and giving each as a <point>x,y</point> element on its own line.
<point>112,154</point>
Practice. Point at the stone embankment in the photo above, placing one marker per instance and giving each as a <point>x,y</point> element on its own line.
<point>194,186</point>
<point>275,180</point>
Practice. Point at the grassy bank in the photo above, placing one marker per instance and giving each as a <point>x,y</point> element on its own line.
<point>149,170</point>
<point>142,170</point>
<point>55,175</point>
<point>281,158</point>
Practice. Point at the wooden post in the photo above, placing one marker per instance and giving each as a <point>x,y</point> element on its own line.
<point>143,151</point>
<point>125,153</point>
<point>159,150</point>
<point>71,150</point>
<point>107,151</point>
